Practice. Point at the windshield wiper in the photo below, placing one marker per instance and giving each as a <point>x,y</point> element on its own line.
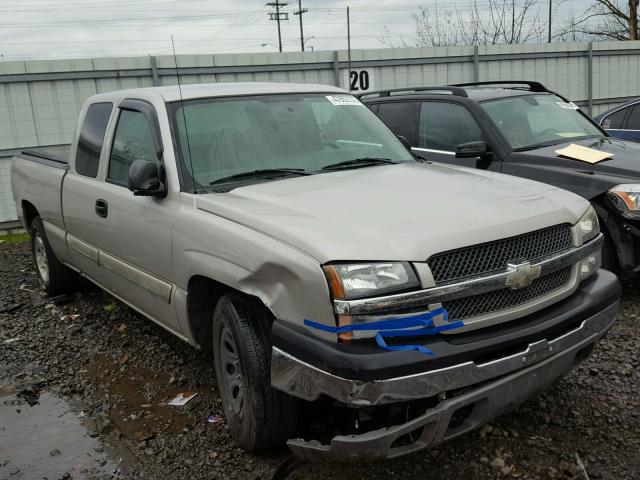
<point>262,173</point>
<point>359,162</point>
<point>557,141</point>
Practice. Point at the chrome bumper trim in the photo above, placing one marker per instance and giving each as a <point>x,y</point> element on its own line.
<point>305,381</point>
<point>472,286</point>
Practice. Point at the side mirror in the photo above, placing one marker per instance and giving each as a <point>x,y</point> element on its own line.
<point>146,179</point>
<point>405,142</point>
<point>471,150</point>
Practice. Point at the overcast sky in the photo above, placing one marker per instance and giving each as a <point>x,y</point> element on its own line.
<point>95,28</point>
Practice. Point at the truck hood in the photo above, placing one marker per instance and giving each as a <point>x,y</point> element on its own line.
<point>394,212</point>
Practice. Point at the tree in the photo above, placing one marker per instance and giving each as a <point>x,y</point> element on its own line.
<point>499,21</point>
<point>607,20</point>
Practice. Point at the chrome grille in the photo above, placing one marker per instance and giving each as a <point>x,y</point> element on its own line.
<point>506,298</point>
<point>493,256</point>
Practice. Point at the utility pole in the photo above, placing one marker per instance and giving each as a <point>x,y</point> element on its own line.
<point>348,51</point>
<point>513,21</point>
<point>300,12</point>
<point>277,17</point>
<point>550,1</point>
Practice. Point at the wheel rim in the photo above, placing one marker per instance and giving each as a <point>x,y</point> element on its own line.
<point>40,254</point>
<point>231,372</point>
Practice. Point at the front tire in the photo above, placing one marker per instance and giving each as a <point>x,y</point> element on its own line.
<point>54,277</point>
<point>259,417</point>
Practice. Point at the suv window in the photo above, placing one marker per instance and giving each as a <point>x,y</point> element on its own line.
<point>399,117</point>
<point>634,119</point>
<point>91,138</point>
<point>444,126</point>
<point>615,120</point>
<point>132,141</point>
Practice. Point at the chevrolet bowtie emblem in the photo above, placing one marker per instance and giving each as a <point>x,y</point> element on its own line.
<point>520,275</point>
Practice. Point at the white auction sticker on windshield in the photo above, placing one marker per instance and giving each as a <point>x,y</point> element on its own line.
<point>568,105</point>
<point>343,100</point>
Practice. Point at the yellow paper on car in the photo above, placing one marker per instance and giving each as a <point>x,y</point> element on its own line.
<point>584,154</point>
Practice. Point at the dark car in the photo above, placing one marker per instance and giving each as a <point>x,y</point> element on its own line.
<point>516,128</point>
<point>622,121</point>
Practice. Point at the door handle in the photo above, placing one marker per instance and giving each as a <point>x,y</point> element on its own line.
<point>102,208</point>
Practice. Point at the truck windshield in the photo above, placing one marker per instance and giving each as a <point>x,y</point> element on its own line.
<point>222,138</point>
<point>530,121</point>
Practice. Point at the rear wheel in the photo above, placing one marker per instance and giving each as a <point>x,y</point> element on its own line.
<point>54,277</point>
<point>259,417</point>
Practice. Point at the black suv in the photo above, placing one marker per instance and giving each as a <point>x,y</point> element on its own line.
<point>515,128</point>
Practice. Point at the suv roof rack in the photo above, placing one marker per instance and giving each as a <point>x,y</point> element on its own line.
<point>533,86</point>
<point>452,89</point>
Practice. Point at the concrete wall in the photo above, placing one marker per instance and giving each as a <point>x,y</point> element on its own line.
<point>40,99</point>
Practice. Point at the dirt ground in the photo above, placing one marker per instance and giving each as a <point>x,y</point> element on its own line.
<point>102,376</point>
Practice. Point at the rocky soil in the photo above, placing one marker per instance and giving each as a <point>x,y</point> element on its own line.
<point>121,370</point>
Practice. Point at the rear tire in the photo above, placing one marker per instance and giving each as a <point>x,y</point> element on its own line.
<point>54,277</point>
<point>259,417</point>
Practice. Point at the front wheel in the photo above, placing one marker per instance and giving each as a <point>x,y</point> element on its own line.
<point>259,417</point>
<point>54,277</point>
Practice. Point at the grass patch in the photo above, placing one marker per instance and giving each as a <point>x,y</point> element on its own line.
<point>14,238</point>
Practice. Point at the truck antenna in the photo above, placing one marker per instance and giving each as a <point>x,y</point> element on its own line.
<point>184,114</point>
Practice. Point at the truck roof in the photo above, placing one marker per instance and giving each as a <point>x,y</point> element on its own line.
<point>205,90</point>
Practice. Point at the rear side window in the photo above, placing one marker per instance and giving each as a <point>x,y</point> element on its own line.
<point>400,118</point>
<point>91,138</point>
<point>444,126</point>
<point>615,120</point>
<point>132,141</point>
<point>634,119</point>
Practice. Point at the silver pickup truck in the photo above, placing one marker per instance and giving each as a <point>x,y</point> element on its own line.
<point>286,229</point>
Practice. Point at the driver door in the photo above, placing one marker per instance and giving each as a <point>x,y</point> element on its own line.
<point>134,234</point>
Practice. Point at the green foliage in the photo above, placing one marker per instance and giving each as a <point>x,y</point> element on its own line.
<point>14,238</point>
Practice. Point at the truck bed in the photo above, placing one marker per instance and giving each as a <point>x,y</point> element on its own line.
<point>36,176</point>
<point>55,156</point>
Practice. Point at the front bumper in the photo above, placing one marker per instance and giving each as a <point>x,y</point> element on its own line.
<point>309,383</point>
<point>471,370</point>
<point>477,406</point>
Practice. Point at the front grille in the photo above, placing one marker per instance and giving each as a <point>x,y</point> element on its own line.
<point>493,256</point>
<point>506,298</point>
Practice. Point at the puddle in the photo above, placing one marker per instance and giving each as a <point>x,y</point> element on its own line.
<point>138,399</point>
<point>49,441</point>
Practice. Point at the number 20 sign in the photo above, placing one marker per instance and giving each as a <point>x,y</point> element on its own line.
<point>360,80</point>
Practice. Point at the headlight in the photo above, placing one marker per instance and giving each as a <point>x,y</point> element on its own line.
<point>626,198</point>
<point>356,280</point>
<point>587,227</point>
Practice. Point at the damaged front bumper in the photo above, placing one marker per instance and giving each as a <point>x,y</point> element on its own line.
<point>477,391</point>
<point>478,406</point>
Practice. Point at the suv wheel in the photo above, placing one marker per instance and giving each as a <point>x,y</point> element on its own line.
<point>259,417</point>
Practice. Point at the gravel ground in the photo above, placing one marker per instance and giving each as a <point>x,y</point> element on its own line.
<point>122,369</point>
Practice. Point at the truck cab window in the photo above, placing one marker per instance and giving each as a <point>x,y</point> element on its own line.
<point>132,141</point>
<point>91,138</point>
<point>444,126</point>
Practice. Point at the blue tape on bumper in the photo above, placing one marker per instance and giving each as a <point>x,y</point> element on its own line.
<point>397,327</point>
